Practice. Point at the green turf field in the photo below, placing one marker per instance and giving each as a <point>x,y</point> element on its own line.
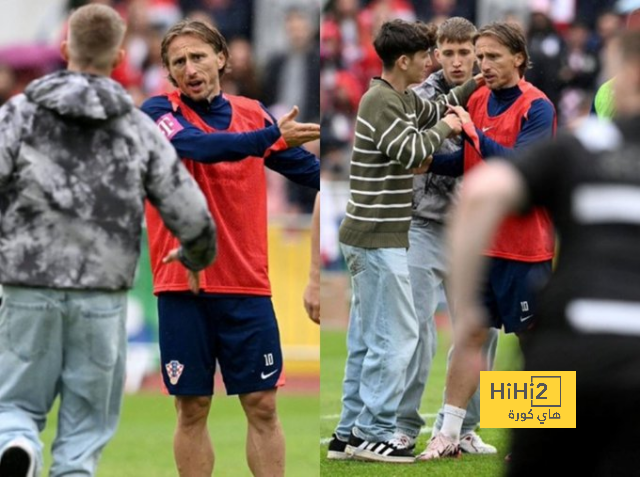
<point>142,446</point>
<point>333,356</point>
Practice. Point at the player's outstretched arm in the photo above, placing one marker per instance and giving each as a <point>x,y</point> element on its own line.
<point>219,146</point>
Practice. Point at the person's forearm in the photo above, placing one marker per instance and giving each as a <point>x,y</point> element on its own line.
<point>223,146</point>
<point>448,164</point>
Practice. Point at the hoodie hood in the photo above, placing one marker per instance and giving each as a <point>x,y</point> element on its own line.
<point>80,96</point>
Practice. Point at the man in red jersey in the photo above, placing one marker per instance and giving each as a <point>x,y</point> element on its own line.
<point>225,142</point>
<point>506,116</point>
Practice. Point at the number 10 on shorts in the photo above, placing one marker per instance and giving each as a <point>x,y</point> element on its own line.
<point>268,359</point>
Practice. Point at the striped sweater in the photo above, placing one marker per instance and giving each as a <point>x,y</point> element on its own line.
<point>394,133</point>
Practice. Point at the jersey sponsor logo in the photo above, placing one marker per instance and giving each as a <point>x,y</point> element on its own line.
<point>268,375</point>
<point>484,130</point>
<point>174,370</point>
<point>169,125</point>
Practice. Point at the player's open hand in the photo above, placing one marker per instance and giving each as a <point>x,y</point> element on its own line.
<point>193,278</point>
<point>295,133</point>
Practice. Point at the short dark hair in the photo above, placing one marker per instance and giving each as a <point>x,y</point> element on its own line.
<point>510,35</point>
<point>399,37</point>
<point>456,30</point>
<point>206,33</point>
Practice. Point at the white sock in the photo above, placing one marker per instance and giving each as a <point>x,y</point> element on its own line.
<point>452,422</point>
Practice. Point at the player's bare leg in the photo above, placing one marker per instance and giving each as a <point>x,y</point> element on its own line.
<point>191,443</point>
<point>462,381</point>
<point>466,363</point>
<point>265,439</point>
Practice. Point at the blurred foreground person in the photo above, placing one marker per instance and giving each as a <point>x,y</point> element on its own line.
<point>589,313</point>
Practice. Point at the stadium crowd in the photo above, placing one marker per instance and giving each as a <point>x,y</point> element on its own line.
<point>278,68</point>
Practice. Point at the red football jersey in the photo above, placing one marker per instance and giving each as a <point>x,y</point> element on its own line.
<point>526,238</point>
<point>236,193</point>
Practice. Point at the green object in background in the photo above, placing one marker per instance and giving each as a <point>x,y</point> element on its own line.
<point>604,101</point>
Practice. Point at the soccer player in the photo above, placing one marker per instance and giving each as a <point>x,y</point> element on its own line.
<point>77,161</point>
<point>504,118</point>
<point>225,142</point>
<point>396,131</point>
<point>432,198</point>
<point>589,314</point>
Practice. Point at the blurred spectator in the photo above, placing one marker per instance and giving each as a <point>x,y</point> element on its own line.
<point>232,17</point>
<point>579,72</point>
<point>154,76</point>
<point>434,9</point>
<point>545,50</point>
<point>495,10</point>
<point>588,11</point>
<point>608,24</point>
<point>242,77</point>
<point>292,77</point>
<point>356,29</point>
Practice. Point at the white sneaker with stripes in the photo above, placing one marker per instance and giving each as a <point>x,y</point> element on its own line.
<point>393,451</point>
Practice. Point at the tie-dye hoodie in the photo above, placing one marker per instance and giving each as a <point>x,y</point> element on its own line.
<point>77,161</point>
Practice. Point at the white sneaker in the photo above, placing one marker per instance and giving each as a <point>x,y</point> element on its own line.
<point>407,441</point>
<point>438,447</point>
<point>472,443</point>
<point>18,459</point>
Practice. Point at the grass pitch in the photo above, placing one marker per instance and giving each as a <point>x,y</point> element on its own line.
<point>332,371</point>
<point>143,445</point>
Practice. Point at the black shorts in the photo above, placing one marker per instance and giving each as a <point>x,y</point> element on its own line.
<point>241,333</point>
<point>510,290</point>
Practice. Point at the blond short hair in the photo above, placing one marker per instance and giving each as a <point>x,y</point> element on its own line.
<point>95,35</point>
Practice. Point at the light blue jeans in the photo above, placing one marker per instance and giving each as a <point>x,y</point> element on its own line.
<point>382,337</point>
<point>67,343</point>
<point>428,270</point>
